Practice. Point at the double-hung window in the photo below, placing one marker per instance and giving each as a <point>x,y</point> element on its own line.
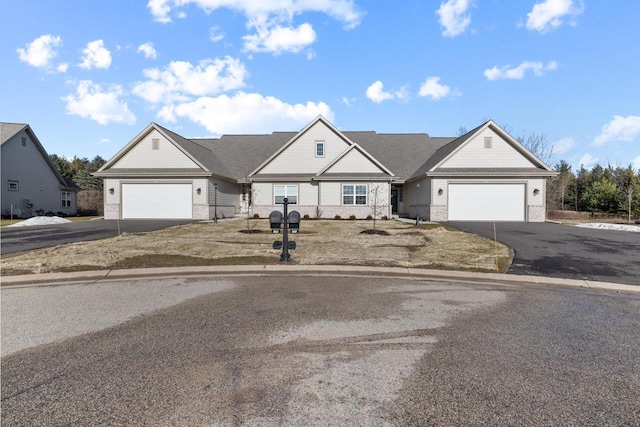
<point>13,186</point>
<point>288,191</point>
<point>66,199</point>
<point>354,194</point>
<point>319,148</point>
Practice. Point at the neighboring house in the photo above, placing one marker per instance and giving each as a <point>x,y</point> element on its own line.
<point>483,175</point>
<point>30,181</point>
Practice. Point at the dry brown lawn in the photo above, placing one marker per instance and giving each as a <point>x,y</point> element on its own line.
<point>319,242</point>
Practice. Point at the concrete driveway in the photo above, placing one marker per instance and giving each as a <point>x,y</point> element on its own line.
<point>18,239</point>
<point>556,250</point>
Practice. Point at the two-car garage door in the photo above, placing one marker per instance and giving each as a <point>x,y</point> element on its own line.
<point>170,201</point>
<point>486,202</point>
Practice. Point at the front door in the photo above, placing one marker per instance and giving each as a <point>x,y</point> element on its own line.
<point>394,201</point>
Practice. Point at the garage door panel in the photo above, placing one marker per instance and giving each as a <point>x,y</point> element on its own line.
<point>147,201</point>
<point>486,202</point>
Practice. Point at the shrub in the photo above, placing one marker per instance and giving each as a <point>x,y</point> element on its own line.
<point>384,218</point>
<point>337,217</point>
<point>305,216</point>
<point>256,216</point>
<point>352,217</point>
<point>369,217</point>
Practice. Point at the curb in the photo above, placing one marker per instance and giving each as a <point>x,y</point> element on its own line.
<point>253,270</point>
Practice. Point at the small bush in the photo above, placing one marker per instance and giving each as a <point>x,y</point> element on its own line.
<point>256,216</point>
<point>352,217</point>
<point>305,216</point>
<point>369,217</point>
<point>337,217</point>
<point>384,218</point>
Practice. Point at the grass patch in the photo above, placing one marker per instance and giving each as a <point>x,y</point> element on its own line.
<point>5,222</point>
<point>152,261</point>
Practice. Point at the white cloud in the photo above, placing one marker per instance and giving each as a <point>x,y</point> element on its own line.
<point>181,80</point>
<point>41,51</point>
<point>272,20</point>
<point>587,161</point>
<point>278,39</point>
<point>548,15</point>
<point>102,106</point>
<point>453,17</point>
<point>216,34</point>
<point>95,55</point>
<point>563,145</point>
<point>245,113</point>
<point>517,73</point>
<point>376,93</point>
<point>619,129</point>
<point>148,50</point>
<point>62,67</point>
<point>342,10</point>
<point>432,88</point>
<point>636,163</point>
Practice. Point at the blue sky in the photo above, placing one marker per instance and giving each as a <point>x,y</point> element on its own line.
<point>88,76</point>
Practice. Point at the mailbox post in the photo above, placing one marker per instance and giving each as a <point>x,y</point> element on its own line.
<point>285,234</point>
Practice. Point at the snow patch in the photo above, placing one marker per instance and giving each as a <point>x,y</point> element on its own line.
<point>607,226</point>
<point>40,220</point>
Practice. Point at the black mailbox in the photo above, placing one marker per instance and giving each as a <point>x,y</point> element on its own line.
<point>294,221</point>
<point>275,219</point>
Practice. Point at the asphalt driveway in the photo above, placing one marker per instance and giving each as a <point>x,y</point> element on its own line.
<point>556,250</point>
<point>18,239</point>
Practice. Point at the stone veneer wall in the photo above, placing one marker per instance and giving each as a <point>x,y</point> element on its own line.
<point>327,212</point>
<point>536,214</point>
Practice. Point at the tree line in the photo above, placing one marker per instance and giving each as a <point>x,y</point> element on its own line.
<point>602,189</point>
<point>79,170</point>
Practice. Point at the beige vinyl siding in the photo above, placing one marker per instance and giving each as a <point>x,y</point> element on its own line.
<point>354,162</point>
<point>475,155</point>
<point>37,183</point>
<point>262,193</point>
<point>143,156</point>
<point>536,199</point>
<point>300,157</point>
<point>331,193</point>
<point>308,193</point>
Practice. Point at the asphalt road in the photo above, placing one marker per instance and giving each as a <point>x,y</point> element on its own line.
<point>317,351</point>
<point>556,250</point>
<point>18,239</point>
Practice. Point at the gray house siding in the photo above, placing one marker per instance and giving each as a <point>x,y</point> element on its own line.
<point>38,186</point>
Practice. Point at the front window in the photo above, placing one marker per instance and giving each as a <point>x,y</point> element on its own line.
<point>354,194</point>
<point>66,199</point>
<point>288,191</point>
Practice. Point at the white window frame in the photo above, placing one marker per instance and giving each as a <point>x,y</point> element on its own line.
<point>290,191</point>
<point>356,192</point>
<point>15,185</point>
<point>320,144</point>
<point>66,199</point>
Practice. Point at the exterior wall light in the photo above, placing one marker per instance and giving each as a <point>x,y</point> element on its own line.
<point>111,191</point>
<point>199,191</point>
<point>536,192</point>
<point>440,191</point>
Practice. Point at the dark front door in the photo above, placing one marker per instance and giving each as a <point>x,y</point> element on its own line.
<point>394,201</point>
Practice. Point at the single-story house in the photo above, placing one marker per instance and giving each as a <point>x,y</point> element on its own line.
<point>30,181</point>
<point>324,172</point>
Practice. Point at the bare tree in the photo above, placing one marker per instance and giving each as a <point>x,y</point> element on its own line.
<point>378,202</point>
<point>461,131</point>
<point>627,183</point>
<point>538,144</point>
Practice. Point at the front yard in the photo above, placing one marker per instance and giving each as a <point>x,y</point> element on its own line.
<point>229,242</point>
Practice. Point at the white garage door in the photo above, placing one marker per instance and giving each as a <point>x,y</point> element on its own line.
<point>486,202</point>
<point>171,201</point>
